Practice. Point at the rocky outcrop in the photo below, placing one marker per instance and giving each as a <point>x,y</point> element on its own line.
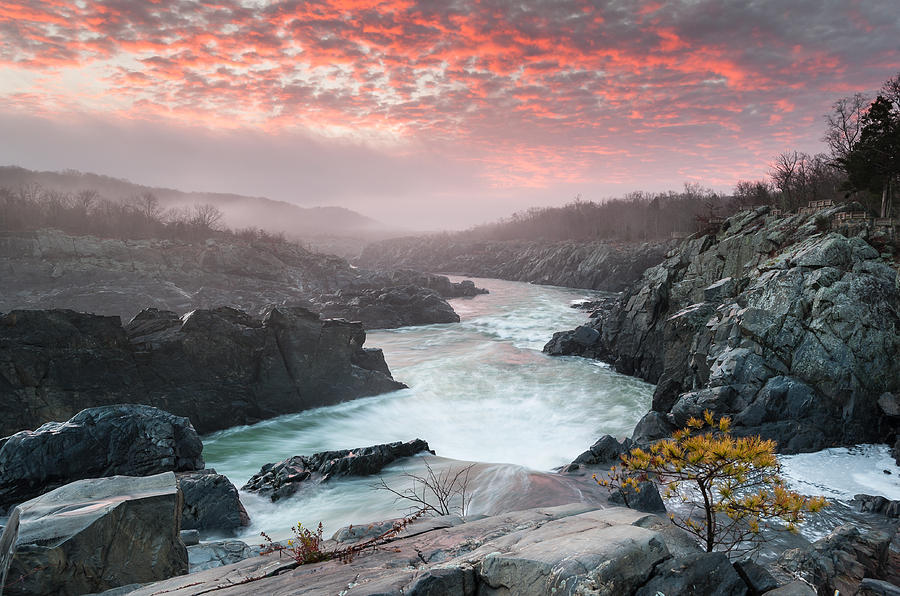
<point>93,535</point>
<point>282,479</point>
<point>218,553</point>
<point>571,549</point>
<point>840,561</point>
<point>877,504</point>
<point>387,308</point>
<point>594,265</point>
<point>50,269</point>
<point>211,503</point>
<point>219,367</point>
<point>788,329</point>
<point>126,440</point>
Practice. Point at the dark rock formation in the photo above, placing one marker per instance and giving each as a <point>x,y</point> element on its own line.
<point>877,504</point>
<point>410,277</point>
<point>594,265</point>
<point>219,367</point>
<point>605,451</point>
<point>710,574</point>
<point>127,440</point>
<point>645,498</point>
<point>790,331</point>
<point>757,577</point>
<point>284,478</point>
<point>93,535</point>
<point>387,308</point>
<point>211,503</point>
<point>841,560</point>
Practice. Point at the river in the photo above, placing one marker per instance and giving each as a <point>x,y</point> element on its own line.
<point>480,390</point>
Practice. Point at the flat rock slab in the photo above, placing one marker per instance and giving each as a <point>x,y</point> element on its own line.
<point>536,551</point>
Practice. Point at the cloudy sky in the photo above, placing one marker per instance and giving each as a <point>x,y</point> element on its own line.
<point>431,112</point>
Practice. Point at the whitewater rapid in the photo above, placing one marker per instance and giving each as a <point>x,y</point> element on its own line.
<point>482,390</point>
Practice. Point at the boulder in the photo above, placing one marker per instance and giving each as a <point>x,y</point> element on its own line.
<point>757,577</point>
<point>795,588</point>
<point>219,367</point>
<point>282,479</point>
<point>126,440</point>
<point>387,308</point>
<point>644,498</point>
<point>607,450</point>
<point>93,535</point>
<point>211,503</point>
<point>877,587</point>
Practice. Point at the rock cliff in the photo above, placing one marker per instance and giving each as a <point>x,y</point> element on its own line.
<point>787,327</point>
<point>219,367</point>
<point>593,265</point>
<point>51,269</point>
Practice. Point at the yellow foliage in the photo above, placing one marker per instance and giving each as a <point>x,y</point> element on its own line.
<point>736,477</point>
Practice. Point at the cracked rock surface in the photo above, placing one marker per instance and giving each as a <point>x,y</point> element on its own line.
<point>791,330</point>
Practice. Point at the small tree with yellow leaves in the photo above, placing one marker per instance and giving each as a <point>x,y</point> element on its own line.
<point>731,485</point>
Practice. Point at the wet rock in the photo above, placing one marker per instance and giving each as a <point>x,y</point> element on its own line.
<point>190,537</point>
<point>282,479</point>
<point>877,504</point>
<point>211,503</point>
<point>219,367</point>
<point>128,440</point>
<point>93,535</point>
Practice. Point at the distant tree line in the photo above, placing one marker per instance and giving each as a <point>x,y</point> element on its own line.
<point>862,164</point>
<point>32,207</point>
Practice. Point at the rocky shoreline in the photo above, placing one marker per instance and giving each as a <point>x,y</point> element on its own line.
<point>788,328</point>
<point>590,265</point>
<point>48,269</point>
<point>219,367</point>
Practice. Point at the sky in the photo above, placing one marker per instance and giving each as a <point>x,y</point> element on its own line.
<point>431,113</point>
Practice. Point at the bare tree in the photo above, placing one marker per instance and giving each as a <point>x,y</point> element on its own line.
<point>844,125</point>
<point>148,205</point>
<point>205,217</point>
<point>439,493</point>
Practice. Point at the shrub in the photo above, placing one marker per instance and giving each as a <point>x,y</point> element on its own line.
<point>731,485</point>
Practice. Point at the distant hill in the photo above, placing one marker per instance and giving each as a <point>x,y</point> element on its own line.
<point>313,225</point>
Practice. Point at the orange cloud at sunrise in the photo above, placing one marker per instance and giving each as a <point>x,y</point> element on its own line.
<point>392,107</point>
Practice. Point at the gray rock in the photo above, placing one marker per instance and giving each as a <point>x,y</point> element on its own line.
<point>282,479</point>
<point>217,553</point>
<point>190,537</point>
<point>571,549</point>
<point>795,588</point>
<point>877,504</point>
<point>710,574</point>
<point>211,503</point>
<point>128,440</point>
<point>606,450</point>
<point>386,308</point>
<point>755,576</point>
<point>218,367</point>
<point>876,587</point>
<point>783,328</point>
<point>93,535</point>
<point>840,560</point>
<point>645,498</point>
